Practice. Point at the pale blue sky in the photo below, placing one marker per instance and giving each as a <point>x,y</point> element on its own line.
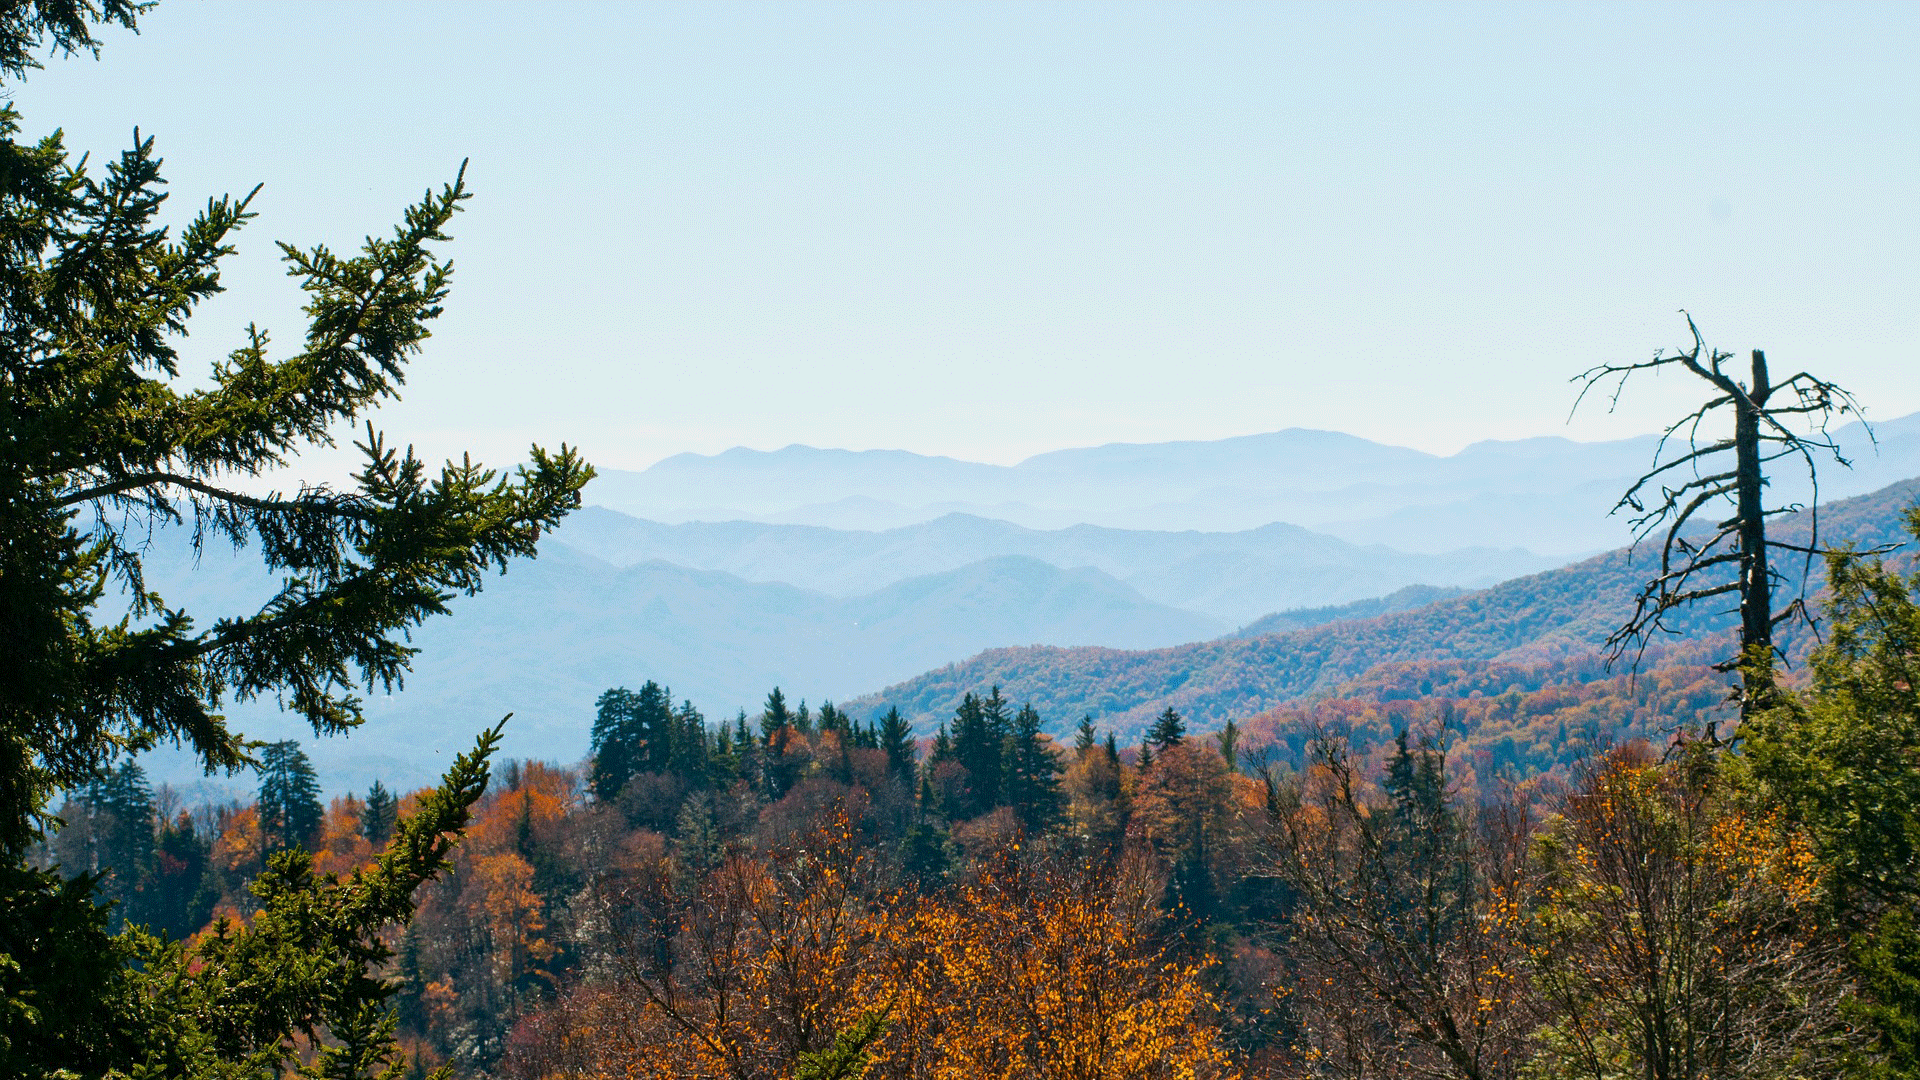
<point>989,230</point>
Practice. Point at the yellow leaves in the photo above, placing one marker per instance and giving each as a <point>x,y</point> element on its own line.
<point>441,1000</point>
<point>341,848</point>
<point>237,852</point>
<point>1025,973</point>
<point>1020,972</point>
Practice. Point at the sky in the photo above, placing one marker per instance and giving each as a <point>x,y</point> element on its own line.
<point>990,230</point>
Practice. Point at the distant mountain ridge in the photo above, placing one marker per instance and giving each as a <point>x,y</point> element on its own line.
<point>1558,613</point>
<point>1406,599</point>
<point>1546,494</point>
<point>543,641</point>
<point>1232,577</point>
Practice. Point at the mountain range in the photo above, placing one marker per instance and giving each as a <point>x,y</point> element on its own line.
<point>1082,619</point>
<point>1568,612</point>
<point>1549,495</point>
<point>1229,577</point>
<point>743,607</point>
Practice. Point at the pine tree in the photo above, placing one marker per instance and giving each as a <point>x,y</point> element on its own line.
<point>632,733</point>
<point>614,743</point>
<point>980,729</point>
<point>1084,738</point>
<point>126,797</point>
<point>1229,739</point>
<point>378,814</point>
<point>289,802</point>
<point>1032,772</point>
<point>779,767</point>
<point>1424,830</point>
<point>689,749</point>
<point>896,738</point>
<point>183,894</point>
<point>723,762</point>
<point>654,728</point>
<point>1168,731</point>
<point>775,716</point>
<point>104,447</point>
<point>110,831</point>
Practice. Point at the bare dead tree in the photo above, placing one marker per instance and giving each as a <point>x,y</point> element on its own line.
<point>1727,472</point>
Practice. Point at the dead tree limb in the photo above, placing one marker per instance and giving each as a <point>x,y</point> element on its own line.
<point>1666,499</point>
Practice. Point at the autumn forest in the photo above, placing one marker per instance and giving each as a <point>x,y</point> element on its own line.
<point>1655,814</point>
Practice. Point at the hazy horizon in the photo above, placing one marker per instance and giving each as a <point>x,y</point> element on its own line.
<point>986,231</point>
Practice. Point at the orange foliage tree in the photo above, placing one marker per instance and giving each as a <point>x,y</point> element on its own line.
<point>1032,968</point>
<point>1049,969</point>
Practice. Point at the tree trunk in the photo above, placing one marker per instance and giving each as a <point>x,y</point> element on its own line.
<point>1756,581</point>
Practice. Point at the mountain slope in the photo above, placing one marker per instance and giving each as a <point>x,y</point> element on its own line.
<point>1558,613</point>
<point>547,638</point>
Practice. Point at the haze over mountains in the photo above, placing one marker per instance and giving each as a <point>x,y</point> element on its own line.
<point>722,611</point>
<point>1546,495</point>
<point>604,606</point>
<point>1568,612</point>
<point>1231,578</point>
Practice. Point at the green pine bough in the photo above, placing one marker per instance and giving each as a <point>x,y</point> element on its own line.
<point>102,447</point>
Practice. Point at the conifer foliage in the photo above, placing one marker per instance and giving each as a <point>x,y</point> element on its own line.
<point>289,797</point>
<point>377,814</point>
<point>102,447</point>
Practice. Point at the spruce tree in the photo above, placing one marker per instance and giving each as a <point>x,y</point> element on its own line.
<point>1084,738</point>
<point>980,729</point>
<point>183,892</point>
<point>653,729</point>
<point>723,763</point>
<point>289,804</point>
<point>1169,730</point>
<point>615,742</point>
<point>110,832</point>
<point>126,799</point>
<point>779,768</point>
<point>775,716</point>
<point>378,814</point>
<point>896,739</point>
<point>689,751</point>
<point>1229,739</point>
<point>1032,772</point>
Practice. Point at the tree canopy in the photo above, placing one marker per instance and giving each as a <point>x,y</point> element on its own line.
<point>103,447</point>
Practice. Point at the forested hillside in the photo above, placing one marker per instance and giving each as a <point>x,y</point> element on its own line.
<point>1561,613</point>
<point>724,611</point>
<point>1236,905</point>
<point>482,821</point>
